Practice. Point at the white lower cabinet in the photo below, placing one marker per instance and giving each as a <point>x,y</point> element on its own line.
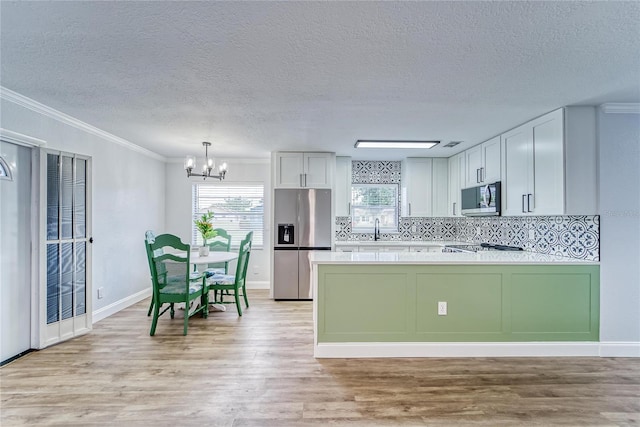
<point>346,248</point>
<point>426,249</point>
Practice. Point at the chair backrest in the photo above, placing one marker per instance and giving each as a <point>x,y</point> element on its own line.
<point>149,238</point>
<point>170,260</point>
<point>222,241</point>
<point>243,259</point>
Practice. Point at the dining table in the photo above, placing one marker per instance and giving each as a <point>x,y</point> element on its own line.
<point>214,257</point>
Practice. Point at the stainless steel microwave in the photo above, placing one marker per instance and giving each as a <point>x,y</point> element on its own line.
<point>483,200</point>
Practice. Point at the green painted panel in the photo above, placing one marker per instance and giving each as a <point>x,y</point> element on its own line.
<point>551,303</point>
<point>369,303</point>
<point>474,302</point>
<point>365,303</point>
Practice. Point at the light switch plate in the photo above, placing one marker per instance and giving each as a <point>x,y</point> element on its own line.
<point>532,234</point>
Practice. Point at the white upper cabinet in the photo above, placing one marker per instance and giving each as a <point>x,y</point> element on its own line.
<point>483,163</point>
<point>424,187</point>
<point>416,183</point>
<point>534,167</point>
<point>440,187</point>
<point>343,186</point>
<point>457,178</point>
<point>304,170</point>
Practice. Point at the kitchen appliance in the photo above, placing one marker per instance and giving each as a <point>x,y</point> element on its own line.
<point>302,224</point>
<point>483,200</point>
<point>480,247</point>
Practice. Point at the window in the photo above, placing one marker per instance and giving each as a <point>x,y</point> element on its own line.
<point>238,208</point>
<point>374,201</point>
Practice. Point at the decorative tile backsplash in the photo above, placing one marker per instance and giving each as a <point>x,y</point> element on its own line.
<point>570,236</point>
<point>376,172</point>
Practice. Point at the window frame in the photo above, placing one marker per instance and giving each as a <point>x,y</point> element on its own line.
<point>396,207</point>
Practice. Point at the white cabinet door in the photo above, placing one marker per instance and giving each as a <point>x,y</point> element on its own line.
<point>457,173</point>
<point>346,248</point>
<point>518,170</point>
<point>343,186</point>
<point>483,163</point>
<point>289,170</point>
<point>396,249</point>
<point>474,163</point>
<point>417,181</point>
<point>317,170</point>
<point>439,187</point>
<point>490,169</point>
<point>548,172</point>
<point>303,170</point>
<point>534,169</point>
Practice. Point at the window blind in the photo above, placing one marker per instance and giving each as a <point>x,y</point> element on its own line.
<point>238,208</point>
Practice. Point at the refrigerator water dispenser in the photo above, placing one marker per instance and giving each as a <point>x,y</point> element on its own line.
<point>285,234</point>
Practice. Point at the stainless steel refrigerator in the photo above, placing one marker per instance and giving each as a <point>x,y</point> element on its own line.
<point>302,224</point>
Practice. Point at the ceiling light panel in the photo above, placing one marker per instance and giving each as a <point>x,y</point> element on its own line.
<point>363,143</point>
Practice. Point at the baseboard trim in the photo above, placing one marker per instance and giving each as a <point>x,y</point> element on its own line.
<point>113,308</point>
<point>449,349</point>
<point>258,284</point>
<point>620,349</point>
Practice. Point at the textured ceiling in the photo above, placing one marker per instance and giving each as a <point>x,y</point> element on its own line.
<point>255,77</point>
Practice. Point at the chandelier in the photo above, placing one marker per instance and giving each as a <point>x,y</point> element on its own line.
<point>208,166</point>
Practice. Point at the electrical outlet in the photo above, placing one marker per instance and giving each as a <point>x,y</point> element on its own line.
<point>478,231</point>
<point>532,234</point>
<point>414,228</point>
<point>100,293</point>
<point>442,308</point>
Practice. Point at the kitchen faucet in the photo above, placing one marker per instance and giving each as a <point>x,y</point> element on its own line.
<point>376,230</point>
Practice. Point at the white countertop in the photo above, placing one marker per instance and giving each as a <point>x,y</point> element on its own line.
<point>403,243</point>
<point>482,257</point>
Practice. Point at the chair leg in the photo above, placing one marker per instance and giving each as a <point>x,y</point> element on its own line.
<point>186,320</point>
<point>172,311</point>
<point>150,308</point>
<point>244,294</point>
<point>237,296</point>
<point>154,322</point>
<point>204,301</point>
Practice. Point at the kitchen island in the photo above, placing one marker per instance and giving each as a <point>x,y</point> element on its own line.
<point>389,304</point>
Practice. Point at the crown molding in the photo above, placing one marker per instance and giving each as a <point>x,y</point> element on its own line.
<point>28,103</point>
<point>621,108</point>
<point>20,139</point>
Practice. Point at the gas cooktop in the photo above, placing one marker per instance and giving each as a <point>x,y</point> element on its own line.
<point>480,247</point>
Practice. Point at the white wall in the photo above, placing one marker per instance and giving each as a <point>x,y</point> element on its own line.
<point>128,198</point>
<point>619,188</point>
<point>178,208</point>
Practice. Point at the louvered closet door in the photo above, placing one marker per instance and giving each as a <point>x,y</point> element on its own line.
<point>65,302</point>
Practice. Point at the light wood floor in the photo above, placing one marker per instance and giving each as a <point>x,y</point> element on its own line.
<point>258,370</point>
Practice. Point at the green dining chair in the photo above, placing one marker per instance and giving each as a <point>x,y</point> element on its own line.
<point>150,237</point>
<point>234,283</point>
<point>220,243</point>
<point>173,281</point>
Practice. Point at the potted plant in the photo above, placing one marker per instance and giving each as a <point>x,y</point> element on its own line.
<point>205,227</point>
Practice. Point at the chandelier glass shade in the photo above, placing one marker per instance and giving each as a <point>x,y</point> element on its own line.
<point>208,166</point>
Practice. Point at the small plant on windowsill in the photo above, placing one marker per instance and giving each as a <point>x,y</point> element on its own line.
<point>205,227</point>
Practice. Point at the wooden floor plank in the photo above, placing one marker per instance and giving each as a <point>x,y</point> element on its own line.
<point>258,370</point>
